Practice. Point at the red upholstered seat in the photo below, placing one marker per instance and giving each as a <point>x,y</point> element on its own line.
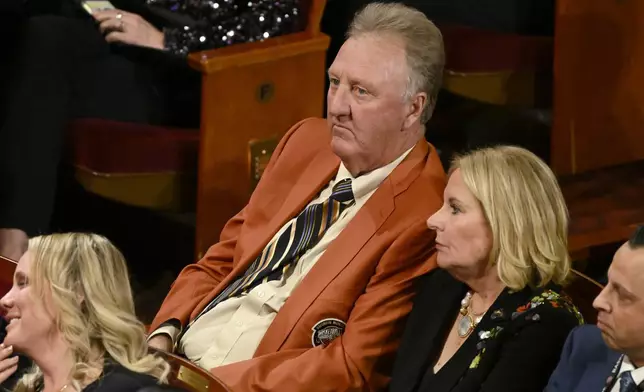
<point>492,67</point>
<point>7,268</point>
<point>138,164</point>
<point>475,50</point>
<point>105,146</point>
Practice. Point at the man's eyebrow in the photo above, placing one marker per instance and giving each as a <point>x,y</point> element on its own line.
<point>623,289</point>
<point>355,81</point>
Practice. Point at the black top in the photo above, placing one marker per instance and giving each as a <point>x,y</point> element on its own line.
<point>115,378</point>
<point>118,378</point>
<point>515,347</point>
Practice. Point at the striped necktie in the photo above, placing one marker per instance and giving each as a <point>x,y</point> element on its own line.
<point>626,383</point>
<point>283,252</point>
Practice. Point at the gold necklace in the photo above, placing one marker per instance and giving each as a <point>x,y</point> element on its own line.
<point>469,320</point>
<point>63,388</point>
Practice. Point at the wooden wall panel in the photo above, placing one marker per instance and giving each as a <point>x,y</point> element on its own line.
<point>599,84</point>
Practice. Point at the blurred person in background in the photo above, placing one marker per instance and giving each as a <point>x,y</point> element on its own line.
<point>126,64</point>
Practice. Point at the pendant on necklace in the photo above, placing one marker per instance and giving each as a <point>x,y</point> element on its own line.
<point>465,326</point>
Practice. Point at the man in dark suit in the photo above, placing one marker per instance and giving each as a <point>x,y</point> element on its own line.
<point>609,357</point>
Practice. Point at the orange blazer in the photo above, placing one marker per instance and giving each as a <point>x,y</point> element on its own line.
<point>364,278</point>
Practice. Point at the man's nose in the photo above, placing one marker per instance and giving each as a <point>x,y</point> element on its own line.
<point>338,102</point>
<point>600,301</point>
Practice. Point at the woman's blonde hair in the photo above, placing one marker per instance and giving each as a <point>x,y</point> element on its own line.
<point>526,211</point>
<point>84,280</point>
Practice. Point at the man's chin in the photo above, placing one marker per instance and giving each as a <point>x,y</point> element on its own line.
<point>608,338</point>
<point>341,147</point>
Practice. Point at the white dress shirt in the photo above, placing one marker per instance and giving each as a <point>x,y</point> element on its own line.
<point>233,329</point>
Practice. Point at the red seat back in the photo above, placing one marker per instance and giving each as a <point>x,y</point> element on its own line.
<point>7,268</point>
<point>469,49</point>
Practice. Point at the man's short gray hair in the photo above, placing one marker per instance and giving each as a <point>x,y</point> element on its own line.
<point>637,239</point>
<point>423,45</point>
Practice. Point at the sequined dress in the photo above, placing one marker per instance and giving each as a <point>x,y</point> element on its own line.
<point>211,24</point>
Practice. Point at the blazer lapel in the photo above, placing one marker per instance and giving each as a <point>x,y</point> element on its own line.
<point>337,256</point>
<point>313,179</point>
<point>342,250</point>
<point>597,373</point>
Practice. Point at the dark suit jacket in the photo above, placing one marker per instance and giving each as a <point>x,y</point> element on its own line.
<point>515,347</point>
<point>586,362</point>
<point>365,277</point>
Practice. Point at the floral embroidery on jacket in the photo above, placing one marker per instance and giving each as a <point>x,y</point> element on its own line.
<point>484,335</point>
<point>547,298</point>
<point>555,300</point>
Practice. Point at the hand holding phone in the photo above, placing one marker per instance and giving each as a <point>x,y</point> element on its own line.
<point>92,6</point>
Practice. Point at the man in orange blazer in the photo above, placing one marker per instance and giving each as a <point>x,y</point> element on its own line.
<point>286,302</point>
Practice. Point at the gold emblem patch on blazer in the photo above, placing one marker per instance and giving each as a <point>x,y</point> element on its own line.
<point>324,331</point>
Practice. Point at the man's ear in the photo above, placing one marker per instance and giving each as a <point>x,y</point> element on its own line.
<point>416,107</point>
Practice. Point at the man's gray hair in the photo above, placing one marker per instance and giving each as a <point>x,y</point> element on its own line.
<point>637,239</point>
<point>423,45</point>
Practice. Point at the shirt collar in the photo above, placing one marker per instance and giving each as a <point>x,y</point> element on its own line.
<point>637,374</point>
<point>368,182</point>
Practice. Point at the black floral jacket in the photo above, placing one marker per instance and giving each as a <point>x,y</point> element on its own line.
<point>515,347</point>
